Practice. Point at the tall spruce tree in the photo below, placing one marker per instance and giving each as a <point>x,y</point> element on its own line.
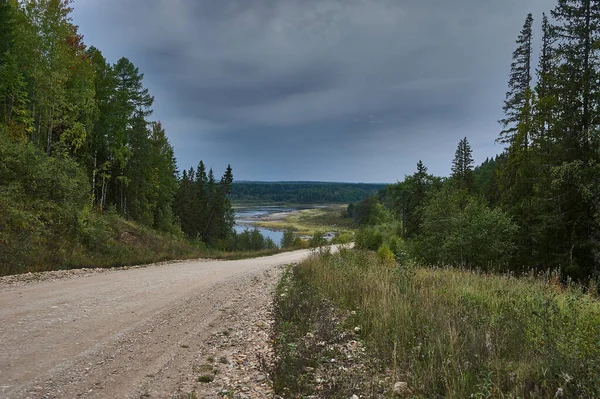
<point>462,165</point>
<point>574,136</point>
<point>518,96</point>
<point>545,95</point>
<point>201,186</point>
<point>517,174</point>
<point>228,215</point>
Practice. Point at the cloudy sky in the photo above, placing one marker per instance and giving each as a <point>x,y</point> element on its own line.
<point>324,90</point>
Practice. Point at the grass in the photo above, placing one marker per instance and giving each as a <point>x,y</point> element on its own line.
<point>236,255</point>
<point>104,241</point>
<point>310,221</point>
<point>455,333</point>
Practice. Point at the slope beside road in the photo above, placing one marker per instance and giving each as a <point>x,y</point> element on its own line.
<point>120,334</point>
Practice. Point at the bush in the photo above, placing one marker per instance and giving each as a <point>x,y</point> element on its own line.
<point>288,239</point>
<point>40,198</point>
<point>462,230</point>
<point>385,255</point>
<point>317,240</point>
<point>369,212</point>
<point>343,238</point>
<point>369,238</point>
<point>300,243</point>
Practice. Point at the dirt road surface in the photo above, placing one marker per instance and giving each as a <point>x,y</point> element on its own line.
<point>120,334</point>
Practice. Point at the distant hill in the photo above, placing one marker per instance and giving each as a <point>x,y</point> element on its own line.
<point>302,192</point>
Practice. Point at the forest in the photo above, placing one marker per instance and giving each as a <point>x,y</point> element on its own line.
<point>302,192</point>
<point>78,147</point>
<point>535,207</point>
<point>78,144</point>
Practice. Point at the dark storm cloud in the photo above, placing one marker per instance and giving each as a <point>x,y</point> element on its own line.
<point>309,85</point>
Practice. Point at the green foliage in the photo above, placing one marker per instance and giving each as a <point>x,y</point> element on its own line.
<point>385,255</point>
<point>408,197</point>
<point>47,222</point>
<point>462,166</point>
<point>462,230</point>
<point>369,238</point>
<point>317,240</point>
<point>369,212</point>
<point>248,240</point>
<point>287,241</point>
<point>67,101</point>
<point>203,205</point>
<point>343,238</point>
<point>517,105</point>
<point>486,179</point>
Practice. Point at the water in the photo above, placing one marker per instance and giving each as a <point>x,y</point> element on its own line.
<point>276,236</point>
<point>244,218</point>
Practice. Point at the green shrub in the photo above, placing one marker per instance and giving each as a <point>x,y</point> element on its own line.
<point>40,198</point>
<point>385,255</point>
<point>317,240</point>
<point>287,240</point>
<point>343,238</point>
<point>462,230</point>
<point>369,238</point>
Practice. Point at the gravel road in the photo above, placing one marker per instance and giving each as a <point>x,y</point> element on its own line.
<point>122,333</point>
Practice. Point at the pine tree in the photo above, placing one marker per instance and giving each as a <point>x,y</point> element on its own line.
<point>228,215</point>
<point>132,104</point>
<point>163,167</point>
<point>420,181</point>
<point>574,137</point>
<point>227,180</point>
<point>200,214</point>
<point>185,203</point>
<point>518,96</point>
<point>211,227</point>
<point>544,86</point>
<point>462,165</point>
<point>577,33</point>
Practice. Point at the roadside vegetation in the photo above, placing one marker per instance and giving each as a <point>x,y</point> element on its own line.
<point>435,332</point>
<point>483,284</point>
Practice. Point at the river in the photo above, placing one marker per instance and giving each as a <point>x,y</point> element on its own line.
<point>246,217</point>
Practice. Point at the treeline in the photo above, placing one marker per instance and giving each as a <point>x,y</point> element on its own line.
<point>535,206</point>
<point>204,204</point>
<point>302,192</point>
<point>76,135</point>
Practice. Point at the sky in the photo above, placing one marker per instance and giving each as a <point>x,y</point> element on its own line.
<point>318,90</point>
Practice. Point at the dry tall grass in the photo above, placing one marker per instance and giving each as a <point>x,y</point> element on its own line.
<point>455,333</point>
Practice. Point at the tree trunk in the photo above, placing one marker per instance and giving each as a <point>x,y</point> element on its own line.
<point>49,143</point>
<point>94,172</point>
<point>104,189</point>
<point>586,73</point>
